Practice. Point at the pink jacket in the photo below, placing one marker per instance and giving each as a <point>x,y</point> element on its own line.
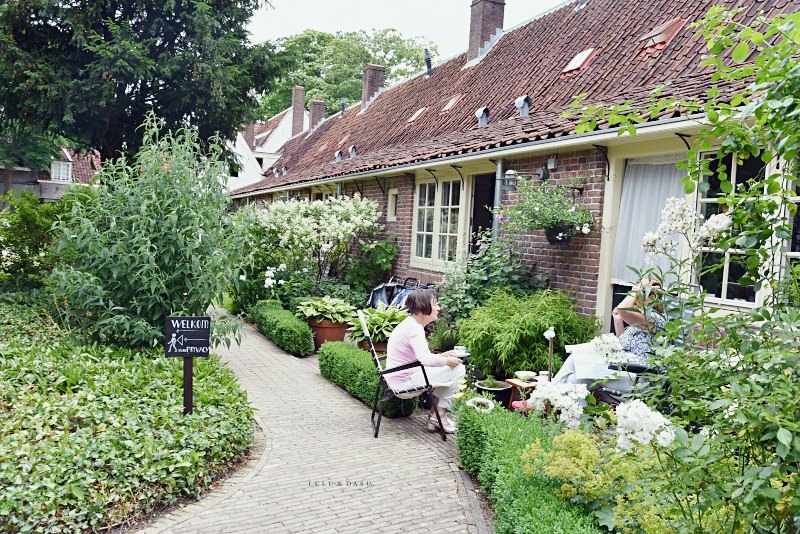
<point>407,343</point>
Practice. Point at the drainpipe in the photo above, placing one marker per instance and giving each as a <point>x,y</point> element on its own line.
<point>498,195</point>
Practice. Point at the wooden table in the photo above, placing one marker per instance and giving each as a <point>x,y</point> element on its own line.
<point>519,386</point>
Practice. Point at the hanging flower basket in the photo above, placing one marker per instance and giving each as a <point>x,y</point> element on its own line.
<point>559,235</point>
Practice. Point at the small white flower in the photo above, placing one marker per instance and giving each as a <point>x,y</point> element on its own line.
<point>242,277</point>
<point>281,282</point>
<point>572,209</point>
<point>550,333</point>
<point>649,242</point>
<point>586,229</point>
<point>282,267</point>
<point>269,282</point>
<point>305,269</point>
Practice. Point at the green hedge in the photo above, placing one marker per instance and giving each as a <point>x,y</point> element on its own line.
<point>491,446</point>
<point>352,369</point>
<point>283,328</point>
<point>95,436</point>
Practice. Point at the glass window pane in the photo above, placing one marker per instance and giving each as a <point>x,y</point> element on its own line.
<point>453,221</point>
<point>428,246</point>
<point>712,281</point>
<point>446,194</point>
<point>442,247</point>
<point>737,291</point>
<point>456,194</point>
<point>795,245</point>
<point>431,195</point>
<point>421,196</point>
<point>452,247</point>
<point>444,224</point>
<point>420,250</point>
<point>429,220</point>
<point>751,168</point>
<point>421,220</point>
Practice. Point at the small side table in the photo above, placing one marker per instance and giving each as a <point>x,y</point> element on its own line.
<point>518,386</point>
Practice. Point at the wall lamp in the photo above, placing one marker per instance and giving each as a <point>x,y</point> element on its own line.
<point>511,176</point>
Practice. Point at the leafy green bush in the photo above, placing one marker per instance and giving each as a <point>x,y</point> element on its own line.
<point>506,335</point>
<point>380,323</point>
<point>491,447</point>
<point>284,329</point>
<point>95,436</point>
<point>372,265</point>
<point>444,336</point>
<point>326,308</point>
<point>155,242</point>
<point>352,369</point>
<point>26,252</point>
<point>496,264</point>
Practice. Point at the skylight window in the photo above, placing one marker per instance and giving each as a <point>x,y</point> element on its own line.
<point>662,35</point>
<point>580,60</point>
<point>417,114</point>
<point>450,103</point>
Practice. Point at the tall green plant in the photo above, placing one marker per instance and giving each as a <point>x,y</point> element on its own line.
<point>156,241</point>
<point>507,334</point>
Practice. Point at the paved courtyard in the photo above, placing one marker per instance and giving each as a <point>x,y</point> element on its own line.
<point>316,467</point>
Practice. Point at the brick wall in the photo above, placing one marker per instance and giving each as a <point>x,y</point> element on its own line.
<point>573,267</point>
<point>485,18</point>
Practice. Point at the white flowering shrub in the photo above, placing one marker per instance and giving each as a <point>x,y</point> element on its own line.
<point>543,205</point>
<point>607,345</point>
<point>564,399</point>
<point>637,423</point>
<point>320,234</point>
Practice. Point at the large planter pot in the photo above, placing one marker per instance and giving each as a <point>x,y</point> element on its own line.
<point>326,330</point>
<point>502,393</point>
<point>380,346</point>
<point>558,235</point>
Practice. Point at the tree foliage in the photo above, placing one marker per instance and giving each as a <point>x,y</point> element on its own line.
<point>331,66</point>
<point>156,241</point>
<point>90,70</point>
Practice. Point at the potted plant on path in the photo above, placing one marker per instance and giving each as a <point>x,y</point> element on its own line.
<point>549,207</point>
<point>327,316</point>
<point>498,389</point>
<point>380,323</point>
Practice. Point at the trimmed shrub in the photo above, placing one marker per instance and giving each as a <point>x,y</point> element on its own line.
<point>283,328</point>
<point>352,369</point>
<point>491,447</point>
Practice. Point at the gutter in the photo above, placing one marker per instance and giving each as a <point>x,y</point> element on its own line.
<point>662,125</point>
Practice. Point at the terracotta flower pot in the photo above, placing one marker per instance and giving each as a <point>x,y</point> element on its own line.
<point>326,330</point>
<point>380,346</point>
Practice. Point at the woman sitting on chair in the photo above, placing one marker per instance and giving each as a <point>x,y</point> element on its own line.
<point>407,343</point>
<point>635,338</point>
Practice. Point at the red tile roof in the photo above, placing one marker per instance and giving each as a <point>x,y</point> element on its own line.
<point>84,165</point>
<point>526,60</point>
<point>256,129</point>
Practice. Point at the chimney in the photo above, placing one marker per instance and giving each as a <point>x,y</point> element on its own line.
<point>317,113</point>
<point>428,67</point>
<point>486,19</point>
<point>374,75</point>
<point>298,108</point>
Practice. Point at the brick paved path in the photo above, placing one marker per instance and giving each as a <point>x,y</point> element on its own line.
<point>317,468</point>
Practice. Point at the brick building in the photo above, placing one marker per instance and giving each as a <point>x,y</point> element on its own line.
<point>433,149</point>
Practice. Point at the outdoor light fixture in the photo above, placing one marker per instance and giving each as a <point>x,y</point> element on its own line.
<point>509,180</point>
<point>552,162</point>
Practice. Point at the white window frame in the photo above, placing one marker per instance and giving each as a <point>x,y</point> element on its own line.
<point>391,204</point>
<point>57,176</point>
<point>722,301</point>
<point>316,191</point>
<point>434,263</point>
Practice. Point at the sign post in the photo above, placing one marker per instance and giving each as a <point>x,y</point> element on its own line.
<point>187,337</point>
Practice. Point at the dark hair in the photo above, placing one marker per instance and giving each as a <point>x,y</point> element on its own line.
<point>419,301</point>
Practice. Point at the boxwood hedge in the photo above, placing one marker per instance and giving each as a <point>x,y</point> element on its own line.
<point>351,368</point>
<point>283,328</point>
<point>94,436</point>
<point>490,447</point>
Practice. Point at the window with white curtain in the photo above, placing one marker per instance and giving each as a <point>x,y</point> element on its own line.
<point>646,185</point>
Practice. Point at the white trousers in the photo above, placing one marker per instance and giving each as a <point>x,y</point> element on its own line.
<point>436,375</point>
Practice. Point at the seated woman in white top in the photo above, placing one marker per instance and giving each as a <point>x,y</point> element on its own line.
<point>407,344</point>
<point>635,338</point>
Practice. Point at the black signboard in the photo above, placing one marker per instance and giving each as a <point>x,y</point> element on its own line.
<point>187,336</point>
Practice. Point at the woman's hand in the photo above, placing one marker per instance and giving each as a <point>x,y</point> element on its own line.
<point>453,361</point>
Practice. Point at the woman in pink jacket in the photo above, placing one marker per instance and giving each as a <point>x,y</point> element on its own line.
<point>407,343</point>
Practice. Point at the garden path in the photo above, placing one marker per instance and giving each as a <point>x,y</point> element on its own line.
<point>316,467</point>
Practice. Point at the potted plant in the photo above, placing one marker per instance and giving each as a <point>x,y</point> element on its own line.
<point>500,390</point>
<point>443,337</point>
<point>327,316</point>
<point>380,323</point>
<point>549,207</point>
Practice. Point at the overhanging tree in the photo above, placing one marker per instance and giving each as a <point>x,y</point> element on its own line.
<point>91,69</point>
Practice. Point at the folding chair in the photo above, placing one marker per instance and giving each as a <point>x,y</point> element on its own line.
<point>644,378</point>
<point>385,392</point>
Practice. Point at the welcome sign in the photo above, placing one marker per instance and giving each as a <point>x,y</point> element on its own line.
<point>187,336</point>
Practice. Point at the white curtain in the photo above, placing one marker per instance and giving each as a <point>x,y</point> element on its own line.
<point>647,184</point>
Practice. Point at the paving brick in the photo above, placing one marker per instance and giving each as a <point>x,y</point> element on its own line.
<point>313,440</point>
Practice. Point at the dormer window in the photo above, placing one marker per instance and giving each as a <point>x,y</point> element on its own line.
<point>580,60</point>
<point>660,36</point>
<point>417,114</point>
<point>450,103</point>
<point>338,155</point>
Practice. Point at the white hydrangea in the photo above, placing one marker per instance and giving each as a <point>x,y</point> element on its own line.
<point>637,423</point>
<point>607,345</point>
<point>564,398</point>
<point>678,217</point>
